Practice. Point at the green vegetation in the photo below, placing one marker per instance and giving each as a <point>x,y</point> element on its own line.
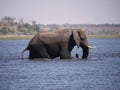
<point>12,29</point>
<point>15,37</point>
<point>8,26</point>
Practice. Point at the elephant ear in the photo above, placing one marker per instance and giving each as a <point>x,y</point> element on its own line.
<point>82,35</point>
<point>76,38</point>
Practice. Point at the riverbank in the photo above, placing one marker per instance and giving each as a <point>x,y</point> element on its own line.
<point>104,36</point>
<point>14,37</point>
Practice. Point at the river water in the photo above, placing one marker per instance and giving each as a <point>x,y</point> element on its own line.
<point>101,71</point>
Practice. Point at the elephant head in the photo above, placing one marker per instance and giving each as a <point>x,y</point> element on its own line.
<point>81,41</point>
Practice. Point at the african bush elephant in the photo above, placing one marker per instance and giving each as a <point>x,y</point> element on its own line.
<point>52,44</point>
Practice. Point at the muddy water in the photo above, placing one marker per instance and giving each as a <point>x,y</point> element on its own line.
<point>101,71</point>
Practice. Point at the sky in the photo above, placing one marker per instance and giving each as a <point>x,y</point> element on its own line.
<point>63,11</point>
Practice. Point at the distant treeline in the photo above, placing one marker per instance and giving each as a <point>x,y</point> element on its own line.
<point>9,26</point>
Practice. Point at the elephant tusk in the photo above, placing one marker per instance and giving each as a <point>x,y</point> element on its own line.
<point>91,47</point>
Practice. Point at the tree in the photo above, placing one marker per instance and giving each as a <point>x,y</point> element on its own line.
<point>35,26</point>
<point>7,19</point>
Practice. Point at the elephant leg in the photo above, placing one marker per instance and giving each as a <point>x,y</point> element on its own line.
<point>33,55</point>
<point>64,53</point>
<point>38,51</point>
<point>43,52</point>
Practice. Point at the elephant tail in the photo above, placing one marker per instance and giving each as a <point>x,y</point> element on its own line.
<point>23,53</point>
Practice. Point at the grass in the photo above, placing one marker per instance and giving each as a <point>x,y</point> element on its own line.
<point>104,36</point>
<point>16,37</point>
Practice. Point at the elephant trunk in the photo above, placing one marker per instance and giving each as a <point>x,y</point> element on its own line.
<point>85,51</point>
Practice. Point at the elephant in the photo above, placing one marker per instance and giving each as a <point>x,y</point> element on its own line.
<point>52,44</point>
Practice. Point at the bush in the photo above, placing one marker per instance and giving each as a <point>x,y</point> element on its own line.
<point>26,29</point>
<point>6,30</point>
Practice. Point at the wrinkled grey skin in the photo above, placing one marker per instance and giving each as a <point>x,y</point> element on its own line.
<point>49,44</point>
